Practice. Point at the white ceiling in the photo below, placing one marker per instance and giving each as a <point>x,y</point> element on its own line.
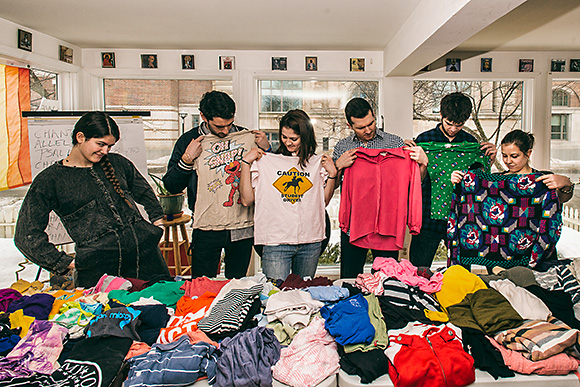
<point>287,25</point>
<point>215,24</point>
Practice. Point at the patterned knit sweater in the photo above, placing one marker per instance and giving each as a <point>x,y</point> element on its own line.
<point>502,220</point>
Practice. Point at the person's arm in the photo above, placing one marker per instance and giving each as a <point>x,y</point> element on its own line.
<point>180,166</point>
<point>30,237</point>
<point>561,183</point>
<point>489,150</point>
<point>330,186</point>
<point>247,195</point>
<point>418,154</point>
<point>457,176</point>
<point>261,140</point>
<point>344,161</point>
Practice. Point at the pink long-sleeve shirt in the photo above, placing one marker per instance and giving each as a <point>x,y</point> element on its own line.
<point>381,195</point>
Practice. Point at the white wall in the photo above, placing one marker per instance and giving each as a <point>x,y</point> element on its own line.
<point>250,66</point>
<point>44,55</point>
<point>81,82</point>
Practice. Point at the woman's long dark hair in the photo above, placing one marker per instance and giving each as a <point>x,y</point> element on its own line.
<point>299,122</point>
<point>99,125</point>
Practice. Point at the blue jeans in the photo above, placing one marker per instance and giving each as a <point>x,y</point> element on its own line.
<point>277,261</point>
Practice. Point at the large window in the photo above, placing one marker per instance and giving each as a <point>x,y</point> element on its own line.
<point>43,90</point>
<point>496,106</point>
<point>174,107</point>
<point>324,102</point>
<point>280,96</point>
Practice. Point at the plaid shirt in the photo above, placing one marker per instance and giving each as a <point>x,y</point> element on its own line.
<point>381,140</point>
<point>436,135</point>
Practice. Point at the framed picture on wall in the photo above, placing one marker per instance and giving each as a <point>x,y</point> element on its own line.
<point>108,60</point>
<point>279,63</point>
<point>574,65</point>
<point>453,65</point>
<point>357,64</point>
<point>485,65</point>
<point>25,40</point>
<point>187,62</point>
<point>311,63</point>
<point>558,65</point>
<point>148,61</point>
<point>526,65</point>
<point>227,62</point>
<point>65,54</point>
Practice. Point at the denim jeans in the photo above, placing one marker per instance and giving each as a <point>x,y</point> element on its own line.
<point>277,261</point>
<point>206,250</point>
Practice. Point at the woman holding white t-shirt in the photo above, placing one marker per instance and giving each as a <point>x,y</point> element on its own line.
<point>290,192</point>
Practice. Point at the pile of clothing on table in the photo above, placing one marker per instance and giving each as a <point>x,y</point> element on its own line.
<point>420,327</point>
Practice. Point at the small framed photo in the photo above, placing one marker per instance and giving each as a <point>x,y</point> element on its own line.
<point>357,64</point>
<point>187,62</point>
<point>486,65</point>
<point>227,62</point>
<point>65,54</point>
<point>108,60</point>
<point>148,61</point>
<point>25,40</point>
<point>558,65</point>
<point>279,63</point>
<point>453,64</point>
<point>311,63</point>
<point>574,65</point>
<point>526,65</point>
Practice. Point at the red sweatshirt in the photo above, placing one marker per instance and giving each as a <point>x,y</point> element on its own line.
<point>381,194</point>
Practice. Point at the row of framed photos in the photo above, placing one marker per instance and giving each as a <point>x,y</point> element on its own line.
<point>65,54</point>
<point>280,63</point>
<point>525,65</point>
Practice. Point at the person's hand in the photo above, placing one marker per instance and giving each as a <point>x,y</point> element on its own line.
<point>554,181</point>
<point>158,222</point>
<point>253,155</point>
<point>418,154</point>
<point>409,143</point>
<point>192,151</point>
<point>346,159</point>
<point>328,164</point>
<point>261,139</point>
<point>489,150</point>
<point>457,176</point>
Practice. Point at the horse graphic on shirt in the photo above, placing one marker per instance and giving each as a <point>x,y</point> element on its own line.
<point>295,182</point>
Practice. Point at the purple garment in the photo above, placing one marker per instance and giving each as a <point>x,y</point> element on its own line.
<point>38,351</point>
<point>38,305</point>
<point>7,296</point>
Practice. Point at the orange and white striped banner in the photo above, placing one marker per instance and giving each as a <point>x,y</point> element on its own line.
<point>15,168</point>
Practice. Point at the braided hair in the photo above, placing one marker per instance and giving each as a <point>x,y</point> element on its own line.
<point>98,125</point>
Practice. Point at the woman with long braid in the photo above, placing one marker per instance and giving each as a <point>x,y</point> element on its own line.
<point>94,193</point>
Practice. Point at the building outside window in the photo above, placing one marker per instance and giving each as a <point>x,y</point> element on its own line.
<point>559,127</point>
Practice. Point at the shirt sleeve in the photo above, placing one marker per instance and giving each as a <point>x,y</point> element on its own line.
<point>30,237</point>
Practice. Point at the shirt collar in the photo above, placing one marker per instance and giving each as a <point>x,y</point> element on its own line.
<point>378,134</point>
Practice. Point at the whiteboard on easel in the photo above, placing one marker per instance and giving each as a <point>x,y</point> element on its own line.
<point>50,140</point>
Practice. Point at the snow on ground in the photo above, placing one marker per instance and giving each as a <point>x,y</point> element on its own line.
<point>10,259</point>
<point>568,247</point>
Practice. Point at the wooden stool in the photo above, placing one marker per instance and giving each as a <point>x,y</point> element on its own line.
<point>174,244</point>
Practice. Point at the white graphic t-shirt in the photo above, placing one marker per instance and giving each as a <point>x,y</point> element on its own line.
<point>289,200</point>
<point>218,205</point>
